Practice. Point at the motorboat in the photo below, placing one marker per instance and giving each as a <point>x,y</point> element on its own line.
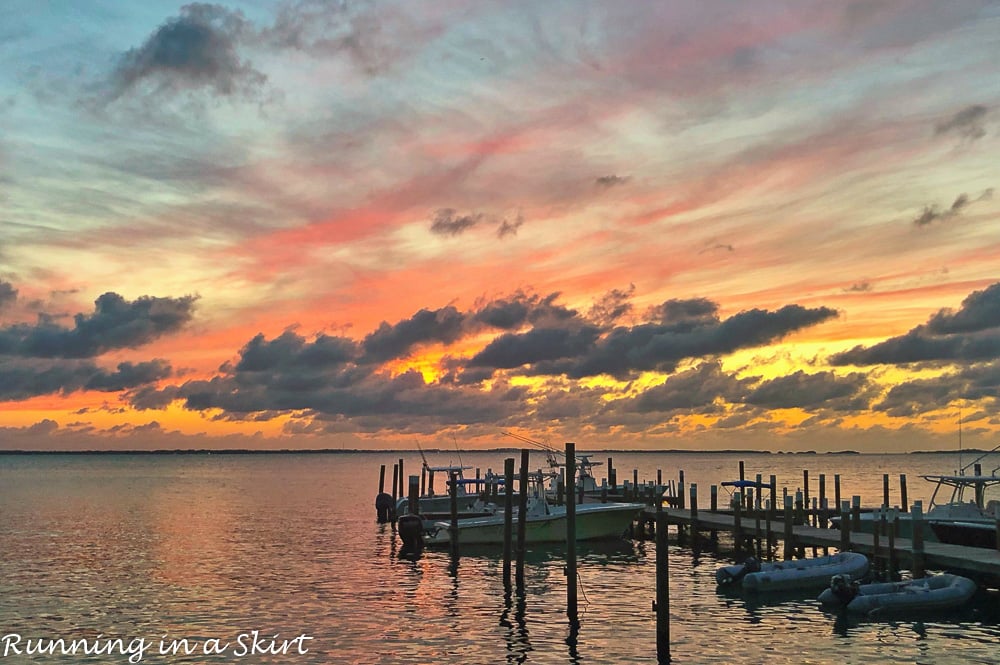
<point>431,505</point>
<point>936,592</point>
<point>544,522</point>
<point>957,498</point>
<point>793,574</point>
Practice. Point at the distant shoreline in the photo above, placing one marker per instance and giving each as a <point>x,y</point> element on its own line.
<point>400,451</point>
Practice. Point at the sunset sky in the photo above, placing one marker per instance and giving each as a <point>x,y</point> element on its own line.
<point>630,224</point>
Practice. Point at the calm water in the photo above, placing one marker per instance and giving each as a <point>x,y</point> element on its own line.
<point>209,547</point>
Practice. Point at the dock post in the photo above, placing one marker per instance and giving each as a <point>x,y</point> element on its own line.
<point>742,476</point>
<point>522,523</point>
<point>737,520</point>
<point>571,590</point>
<point>713,493</point>
<point>768,535</point>
<point>414,495</point>
<point>774,491</point>
<point>694,516</point>
<point>508,517</point>
<point>903,505</point>
<point>805,496</point>
<point>604,491</point>
<point>885,489</point>
<point>799,508</point>
<point>877,523</point>
<point>612,479</point>
<point>423,480</point>
<point>662,603</point>
<point>635,483</point>
<point>396,484</point>
<point>919,562</point>
<point>822,516</point>
<point>788,528</point>
<point>856,513</point>
<point>680,488</point>
<point>893,566</point>
<point>845,527</point>
<point>401,493</point>
<point>453,528</point>
<point>381,479</point>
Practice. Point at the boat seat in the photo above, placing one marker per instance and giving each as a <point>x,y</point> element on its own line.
<point>993,507</point>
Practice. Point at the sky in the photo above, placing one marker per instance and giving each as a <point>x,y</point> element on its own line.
<point>632,225</point>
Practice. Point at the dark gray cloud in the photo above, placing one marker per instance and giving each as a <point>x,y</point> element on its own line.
<point>129,375</point>
<point>115,324</point>
<point>612,306</point>
<point>8,294</point>
<point>510,228</point>
<point>323,28</point>
<point>522,308</point>
<point>688,329</point>
<point>805,391</point>
<point>196,50</point>
<point>970,334</point>
<point>511,350</point>
<point>447,222</point>
<point>609,181</point>
<point>444,325</point>
<point>701,389</point>
<point>293,352</point>
<point>24,378</point>
<point>932,213</point>
<point>967,123</point>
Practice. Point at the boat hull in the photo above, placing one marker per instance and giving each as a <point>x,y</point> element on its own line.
<point>593,522</point>
<point>796,574</point>
<point>970,534</point>
<point>935,593</point>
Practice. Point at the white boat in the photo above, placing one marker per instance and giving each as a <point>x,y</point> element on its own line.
<point>967,500</point>
<point>438,506</point>
<point>969,534</point>
<point>794,573</point>
<point>544,523</point>
<point>937,592</point>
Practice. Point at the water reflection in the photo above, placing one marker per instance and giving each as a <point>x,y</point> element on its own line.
<point>516,628</point>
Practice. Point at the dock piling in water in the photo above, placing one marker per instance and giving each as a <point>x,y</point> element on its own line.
<point>571,591</point>
<point>508,517</point>
<point>453,529</point>
<point>522,509</point>
<point>662,603</point>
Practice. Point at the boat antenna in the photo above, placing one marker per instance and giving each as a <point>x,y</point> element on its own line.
<point>960,467</point>
<point>455,441</point>
<point>422,456</point>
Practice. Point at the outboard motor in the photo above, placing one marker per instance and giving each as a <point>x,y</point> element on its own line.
<point>411,532</point>
<point>384,508</point>
<point>843,589</point>
<point>732,574</point>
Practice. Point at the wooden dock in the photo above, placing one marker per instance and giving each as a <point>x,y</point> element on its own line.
<point>974,561</point>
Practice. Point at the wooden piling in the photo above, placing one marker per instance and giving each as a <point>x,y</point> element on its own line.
<point>885,489</point>
<point>453,495</point>
<point>381,479</point>
<point>522,523</point>
<point>789,544</point>
<point>662,603</point>
<point>856,513</point>
<point>822,516</point>
<point>414,495</point>
<point>903,505</point>
<point>737,520</point>
<point>917,540</point>
<point>401,492</point>
<point>571,589</point>
<point>680,488</point>
<point>395,488</point>
<point>805,495</point>
<point>774,491</point>
<point>612,476</point>
<point>891,563</point>
<point>694,515</point>
<point>713,494</point>
<point>845,527</point>
<point>508,517</point>
<point>836,494</point>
